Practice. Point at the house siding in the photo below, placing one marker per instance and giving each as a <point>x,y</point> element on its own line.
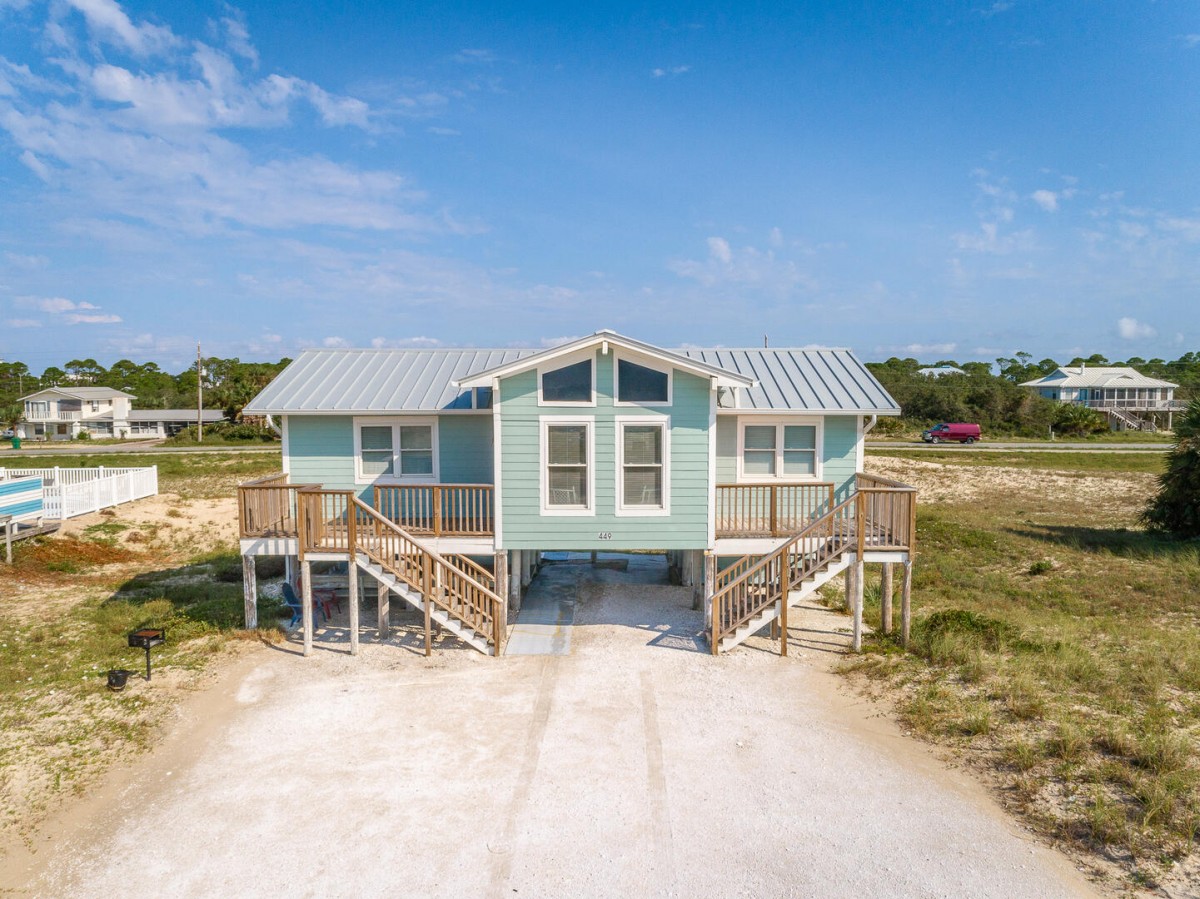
<point>838,450</point>
<point>525,527</point>
<point>321,451</point>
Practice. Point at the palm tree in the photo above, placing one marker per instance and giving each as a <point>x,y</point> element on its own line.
<point>1176,508</point>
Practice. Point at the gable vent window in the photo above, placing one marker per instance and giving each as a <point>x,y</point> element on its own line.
<point>570,384</point>
<point>639,384</point>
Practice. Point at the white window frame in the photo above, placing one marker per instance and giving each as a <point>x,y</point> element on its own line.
<point>664,422</point>
<point>544,424</point>
<point>669,372</point>
<point>567,362</point>
<point>395,424</point>
<point>779,424</point>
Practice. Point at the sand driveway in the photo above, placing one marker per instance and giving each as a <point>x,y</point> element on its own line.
<point>637,765</point>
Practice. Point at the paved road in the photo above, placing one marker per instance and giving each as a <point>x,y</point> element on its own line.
<point>135,448</point>
<point>1056,447</point>
<point>636,765</point>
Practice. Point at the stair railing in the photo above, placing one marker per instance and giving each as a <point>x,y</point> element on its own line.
<point>338,521</point>
<point>769,581</point>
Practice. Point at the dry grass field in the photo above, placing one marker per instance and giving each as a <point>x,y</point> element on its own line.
<point>169,561</point>
<point>1056,648</point>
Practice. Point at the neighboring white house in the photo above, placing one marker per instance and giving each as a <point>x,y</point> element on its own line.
<point>62,413</point>
<point>167,422</point>
<point>938,371</point>
<point>1129,398</point>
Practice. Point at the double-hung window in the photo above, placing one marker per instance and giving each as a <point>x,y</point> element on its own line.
<point>780,450</point>
<point>395,450</point>
<point>567,476</point>
<point>643,478</point>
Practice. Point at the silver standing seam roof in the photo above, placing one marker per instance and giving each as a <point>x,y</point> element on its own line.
<point>824,380</point>
<point>341,381</point>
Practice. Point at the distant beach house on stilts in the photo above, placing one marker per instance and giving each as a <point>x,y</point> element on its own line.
<point>1131,400</point>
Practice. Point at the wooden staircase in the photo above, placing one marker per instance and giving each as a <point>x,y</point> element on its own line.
<point>453,592</point>
<point>757,590</point>
<point>1131,421</point>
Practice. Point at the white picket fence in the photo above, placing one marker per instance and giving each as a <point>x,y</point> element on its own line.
<point>68,492</point>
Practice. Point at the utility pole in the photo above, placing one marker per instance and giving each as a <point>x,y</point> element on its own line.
<point>199,396</point>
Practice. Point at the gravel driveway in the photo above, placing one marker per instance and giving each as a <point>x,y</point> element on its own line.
<point>637,765</point>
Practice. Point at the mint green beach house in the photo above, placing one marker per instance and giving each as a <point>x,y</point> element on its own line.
<point>445,475</point>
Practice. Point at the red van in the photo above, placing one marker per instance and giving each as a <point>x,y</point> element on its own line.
<point>963,433</point>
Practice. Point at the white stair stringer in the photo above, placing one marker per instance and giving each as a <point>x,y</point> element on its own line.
<point>463,631</point>
<point>805,588</point>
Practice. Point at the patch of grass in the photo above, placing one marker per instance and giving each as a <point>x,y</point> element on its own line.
<point>54,703</point>
<point>1076,674</point>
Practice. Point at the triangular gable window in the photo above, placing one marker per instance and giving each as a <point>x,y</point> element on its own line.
<point>642,385</point>
<point>570,384</point>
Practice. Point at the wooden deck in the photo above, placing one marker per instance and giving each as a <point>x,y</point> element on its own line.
<point>267,508</point>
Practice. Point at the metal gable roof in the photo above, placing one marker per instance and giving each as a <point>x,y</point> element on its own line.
<point>343,381</point>
<point>789,380</point>
<point>1097,376</point>
<point>340,381</point>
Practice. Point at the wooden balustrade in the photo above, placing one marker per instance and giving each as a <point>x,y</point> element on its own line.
<point>440,510</point>
<point>771,578</point>
<point>267,507</point>
<point>770,510</point>
<point>886,513</point>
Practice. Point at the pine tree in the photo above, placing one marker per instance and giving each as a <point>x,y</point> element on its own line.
<point>1176,508</point>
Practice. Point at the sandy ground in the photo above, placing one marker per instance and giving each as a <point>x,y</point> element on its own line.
<point>637,765</point>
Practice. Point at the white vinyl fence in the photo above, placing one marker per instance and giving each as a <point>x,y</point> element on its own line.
<point>67,492</point>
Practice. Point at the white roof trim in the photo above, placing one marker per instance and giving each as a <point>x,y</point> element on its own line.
<point>113,392</point>
<point>724,378</point>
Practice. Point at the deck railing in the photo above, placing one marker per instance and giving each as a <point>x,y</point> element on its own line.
<point>770,510</point>
<point>267,507</point>
<point>439,510</point>
<point>338,521</point>
<point>769,580</point>
<point>1136,405</point>
<point>886,514</point>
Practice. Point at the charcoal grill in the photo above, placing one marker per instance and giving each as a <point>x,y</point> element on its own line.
<point>147,638</point>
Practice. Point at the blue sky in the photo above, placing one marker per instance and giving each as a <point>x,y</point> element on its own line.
<point>942,180</point>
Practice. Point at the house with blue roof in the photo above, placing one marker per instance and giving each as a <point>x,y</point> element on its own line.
<point>445,475</point>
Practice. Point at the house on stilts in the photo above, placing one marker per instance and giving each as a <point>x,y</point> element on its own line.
<point>442,476</point>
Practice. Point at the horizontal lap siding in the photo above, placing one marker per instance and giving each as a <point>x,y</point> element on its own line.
<point>465,449</point>
<point>838,451</point>
<point>321,451</point>
<point>525,527</point>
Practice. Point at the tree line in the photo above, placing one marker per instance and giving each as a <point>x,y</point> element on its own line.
<point>229,384</point>
<point>990,393</point>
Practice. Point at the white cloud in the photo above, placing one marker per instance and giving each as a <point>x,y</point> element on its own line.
<point>22,323</point>
<point>551,342</point>
<point>55,305</point>
<point>1047,199</point>
<point>335,342</point>
<point>1191,40</point>
<point>746,267</point>
<point>98,319</point>
<point>19,260</point>
<point>1000,6</point>
<point>924,349</point>
<point>107,21</point>
<point>718,247</point>
<point>990,240</point>
<point>1132,329</point>
<point>474,56</point>
<point>415,343</point>
<point>669,70</point>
